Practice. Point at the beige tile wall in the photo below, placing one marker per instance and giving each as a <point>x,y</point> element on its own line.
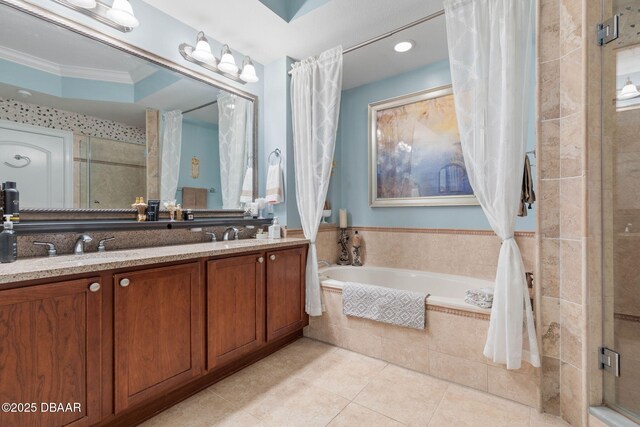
<point>569,205</point>
<point>153,154</point>
<point>464,252</point>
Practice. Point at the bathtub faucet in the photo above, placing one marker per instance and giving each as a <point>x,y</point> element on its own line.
<point>323,262</point>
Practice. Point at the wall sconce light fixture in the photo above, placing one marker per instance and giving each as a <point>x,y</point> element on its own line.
<point>225,66</point>
<point>119,15</point>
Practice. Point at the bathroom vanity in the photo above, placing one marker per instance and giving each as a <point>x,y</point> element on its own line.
<point>125,334</point>
<point>111,338</point>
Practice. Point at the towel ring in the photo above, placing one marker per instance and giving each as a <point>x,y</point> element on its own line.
<point>19,157</point>
<point>277,154</point>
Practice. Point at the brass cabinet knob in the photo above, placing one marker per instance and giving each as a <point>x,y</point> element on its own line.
<point>124,283</point>
<point>94,287</point>
<point>261,260</point>
<point>272,257</point>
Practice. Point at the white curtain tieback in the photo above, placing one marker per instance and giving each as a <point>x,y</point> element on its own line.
<point>507,238</point>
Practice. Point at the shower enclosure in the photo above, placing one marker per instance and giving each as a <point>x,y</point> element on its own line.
<point>108,174</point>
<point>621,207</point>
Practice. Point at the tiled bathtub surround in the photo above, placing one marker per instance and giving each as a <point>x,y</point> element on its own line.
<point>452,345</point>
<point>38,115</point>
<point>463,252</point>
<point>449,348</point>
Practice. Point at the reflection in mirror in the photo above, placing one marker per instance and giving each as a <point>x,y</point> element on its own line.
<point>86,125</point>
<point>215,133</point>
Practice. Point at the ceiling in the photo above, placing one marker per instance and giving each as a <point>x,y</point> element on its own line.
<point>57,50</point>
<point>40,45</point>
<point>250,27</point>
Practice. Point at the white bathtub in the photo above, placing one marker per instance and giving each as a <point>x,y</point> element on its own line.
<point>445,290</point>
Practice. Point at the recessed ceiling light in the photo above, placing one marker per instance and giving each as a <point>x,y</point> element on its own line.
<point>404,46</point>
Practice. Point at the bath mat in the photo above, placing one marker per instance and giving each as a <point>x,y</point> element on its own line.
<point>393,306</point>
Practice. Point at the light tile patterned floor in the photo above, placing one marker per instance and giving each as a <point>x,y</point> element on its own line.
<point>309,383</point>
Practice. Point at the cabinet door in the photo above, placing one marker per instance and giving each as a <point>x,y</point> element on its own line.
<point>235,308</point>
<point>285,291</point>
<point>158,343</point>
<point>50,353</point>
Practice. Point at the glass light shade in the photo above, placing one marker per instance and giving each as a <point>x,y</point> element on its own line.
<point>248,73</point>
<point>227,62</point>
<point>202,52</point>
<point>122,13</point>
<point>85,4</point>
<point>629,90</point>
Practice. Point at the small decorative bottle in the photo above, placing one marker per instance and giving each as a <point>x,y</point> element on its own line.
<point>356,247</point>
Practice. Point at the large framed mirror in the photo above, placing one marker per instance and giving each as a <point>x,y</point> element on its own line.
<point>90,123</point>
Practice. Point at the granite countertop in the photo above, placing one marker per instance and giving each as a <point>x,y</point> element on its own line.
<point>64,265</point>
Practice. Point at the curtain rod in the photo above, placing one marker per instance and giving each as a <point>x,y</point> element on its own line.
<point>392,32</point>
<point>202,106</point>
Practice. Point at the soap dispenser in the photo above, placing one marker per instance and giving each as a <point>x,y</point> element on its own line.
<point>274,229</point>
<point>8,242</point>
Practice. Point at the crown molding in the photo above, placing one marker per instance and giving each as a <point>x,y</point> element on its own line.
<point>71,71</point>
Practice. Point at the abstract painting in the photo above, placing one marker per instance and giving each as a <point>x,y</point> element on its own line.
<point>415,152</point>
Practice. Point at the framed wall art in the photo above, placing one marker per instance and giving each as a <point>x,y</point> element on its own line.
<point>415,155</point>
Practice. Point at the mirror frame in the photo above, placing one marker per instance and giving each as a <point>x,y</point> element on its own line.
<point>100,37</point>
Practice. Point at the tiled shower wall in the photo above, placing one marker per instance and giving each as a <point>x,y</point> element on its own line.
<point>49,117</point>
<point>569,204</point>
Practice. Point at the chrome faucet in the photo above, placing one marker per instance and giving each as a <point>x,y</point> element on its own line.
<point>228,231</point>
<point>101,244</point>
<point>324,262</point>
<point>78,249</point>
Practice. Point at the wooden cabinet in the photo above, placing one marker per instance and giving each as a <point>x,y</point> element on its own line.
<point>157,331</point>
<point>285,292</point>
<point>122,350</point>
<point>235,308</point>
<point>50,346</point>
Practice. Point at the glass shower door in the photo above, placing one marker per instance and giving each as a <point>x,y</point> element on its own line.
<point>621,205</point>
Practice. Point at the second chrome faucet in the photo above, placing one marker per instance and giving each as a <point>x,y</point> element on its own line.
<point>78,248</point>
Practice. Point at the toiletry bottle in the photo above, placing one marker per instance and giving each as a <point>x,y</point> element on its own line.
<point>8,242</point>
<point>274,229</point>
<point>11,201</point>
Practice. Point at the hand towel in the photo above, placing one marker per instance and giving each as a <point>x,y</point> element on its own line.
<point>247,187</point>
<point>275,185</point>
<point>528,196</point>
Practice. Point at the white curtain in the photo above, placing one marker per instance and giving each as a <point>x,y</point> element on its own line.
<point>316,86</point>
<point>490,52</point>
<point>170,155</point>
<point>234,130</point>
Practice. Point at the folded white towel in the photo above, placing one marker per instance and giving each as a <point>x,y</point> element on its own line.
<point>275,185</point>
<point>247,187</point>
<point>479,297</point>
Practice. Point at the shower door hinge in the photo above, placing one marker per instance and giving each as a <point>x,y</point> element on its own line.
<point>610,361</point>
<point>608,30</point>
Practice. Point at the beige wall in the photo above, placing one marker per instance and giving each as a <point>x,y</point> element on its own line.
<point>570,205</point>
<point>471,253</point>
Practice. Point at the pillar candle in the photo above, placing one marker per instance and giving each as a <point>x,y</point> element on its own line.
<point>343,218</point>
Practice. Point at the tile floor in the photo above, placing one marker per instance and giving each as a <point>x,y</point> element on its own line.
<point>309,383</point>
